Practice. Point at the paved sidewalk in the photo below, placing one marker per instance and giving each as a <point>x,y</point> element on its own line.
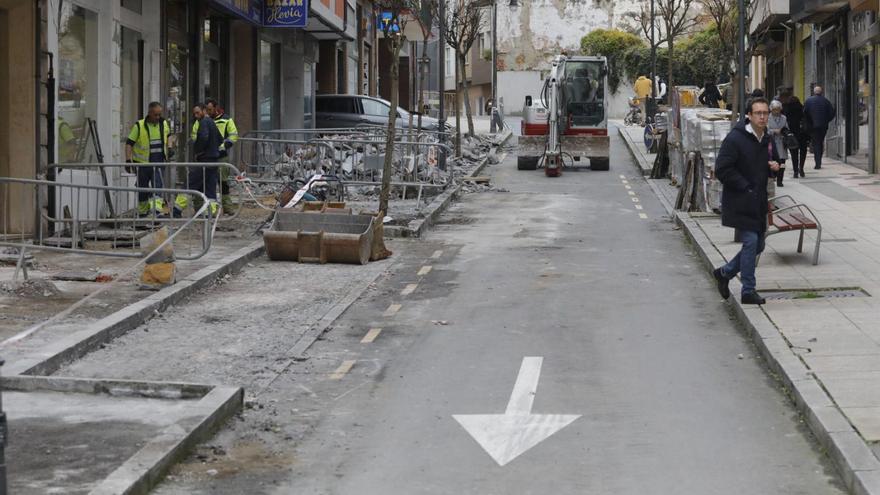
<point>826,349</point>
<point>634,138</point>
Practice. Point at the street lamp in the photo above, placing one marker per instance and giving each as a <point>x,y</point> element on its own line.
<point>492,127</point>
<point>649,106</point>
<point>441,74</point>
<point>741,93</point>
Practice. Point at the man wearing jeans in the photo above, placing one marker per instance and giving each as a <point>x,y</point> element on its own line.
<point>744,164</point>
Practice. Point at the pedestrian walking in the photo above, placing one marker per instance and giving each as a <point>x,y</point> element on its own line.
<point>818,113</point>
<point>148,143</point>
<point>206,149</point>
<point>746,160</point>
<point>229,133</point>
<point>794,113</point>
<point>661,89</point>
<point>777,125</point>
<point>710,95</point>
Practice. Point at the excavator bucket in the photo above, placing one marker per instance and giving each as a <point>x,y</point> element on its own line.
<point>320,237</point>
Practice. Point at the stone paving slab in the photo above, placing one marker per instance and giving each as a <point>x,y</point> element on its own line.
<point>826,350</point>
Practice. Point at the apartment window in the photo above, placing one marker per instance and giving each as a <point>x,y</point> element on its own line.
<point>450,62</point>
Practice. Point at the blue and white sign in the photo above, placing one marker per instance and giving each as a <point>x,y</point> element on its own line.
<point>285,13</point>
<point>387,23</point>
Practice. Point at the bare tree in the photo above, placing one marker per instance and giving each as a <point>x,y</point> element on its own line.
<point>392,25</point>
<point>463,25</point>
<point>642,19</point>
<point>723,14</point>
<point>678,19</point>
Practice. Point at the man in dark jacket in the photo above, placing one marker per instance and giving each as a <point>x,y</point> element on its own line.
<point>818,113</point>
<point>744,164</point>
<point>206,149</point>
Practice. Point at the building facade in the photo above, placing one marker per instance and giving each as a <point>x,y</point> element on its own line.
<point>803,43</point>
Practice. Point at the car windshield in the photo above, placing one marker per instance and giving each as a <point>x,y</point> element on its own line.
<point>583,92</point>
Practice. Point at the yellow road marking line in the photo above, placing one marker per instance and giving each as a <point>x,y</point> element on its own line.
<point>635,200</point>
<point>642,215</point>
<point>425,270</point>
<point>438,253</point>
<point>392,310</point>
<point>638,207</point>
<point>409,289</point>
<point>631,193</point>
<point>371,336</point>
<point>343,368</point>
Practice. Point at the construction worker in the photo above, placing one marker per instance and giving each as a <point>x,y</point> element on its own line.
<point>206,149</point>
<point>229,132</point>
<point>148,143</point>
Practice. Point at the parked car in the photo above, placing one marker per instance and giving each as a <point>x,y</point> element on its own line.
<point>355,110</point>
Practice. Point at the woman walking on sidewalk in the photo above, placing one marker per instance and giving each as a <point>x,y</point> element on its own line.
<point>794,113</point>
<point>777,125</point>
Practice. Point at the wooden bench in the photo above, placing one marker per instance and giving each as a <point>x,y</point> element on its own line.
<point>786,215</point>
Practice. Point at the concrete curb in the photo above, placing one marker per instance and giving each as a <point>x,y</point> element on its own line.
<point>148,466</point>
<point>76,345</point>
<point>858,466</point>
<point>640,157</point>
<point>439,205</point>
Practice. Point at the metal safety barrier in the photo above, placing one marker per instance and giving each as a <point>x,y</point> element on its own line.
<point>183,175</point>
<point>90,219</point>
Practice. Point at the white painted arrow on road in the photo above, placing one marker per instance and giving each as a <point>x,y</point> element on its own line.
<point>505,436</point>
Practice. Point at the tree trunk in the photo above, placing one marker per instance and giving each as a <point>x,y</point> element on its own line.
<point>669,82</point>
<point>457,108</point>
<point>422,83</point>
<point>466,94</point>
<point>385,192</point>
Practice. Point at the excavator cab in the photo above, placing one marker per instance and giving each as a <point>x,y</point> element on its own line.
<point>583,96</point>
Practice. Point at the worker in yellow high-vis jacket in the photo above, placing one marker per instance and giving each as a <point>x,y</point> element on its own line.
<point>148,143</point>
<point>229,133</point>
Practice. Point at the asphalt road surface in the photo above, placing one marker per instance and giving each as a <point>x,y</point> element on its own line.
<point>560,337</point>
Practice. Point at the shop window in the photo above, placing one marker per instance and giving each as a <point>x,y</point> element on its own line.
<point>268,91</point>
<point>308,112</point>
<point>131,80</point>
<point>77,82</point>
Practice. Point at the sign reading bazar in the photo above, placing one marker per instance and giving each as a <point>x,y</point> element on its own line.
<point>285,13</point>
<point>269,13</point>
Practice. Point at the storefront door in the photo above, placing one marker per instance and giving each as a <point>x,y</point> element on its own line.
<point>862,108</point>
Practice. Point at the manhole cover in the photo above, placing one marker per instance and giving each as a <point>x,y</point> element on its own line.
<point>799,294</point>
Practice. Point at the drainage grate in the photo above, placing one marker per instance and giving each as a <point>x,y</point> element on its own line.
<point>844,239</point>
<point>800,294</point>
